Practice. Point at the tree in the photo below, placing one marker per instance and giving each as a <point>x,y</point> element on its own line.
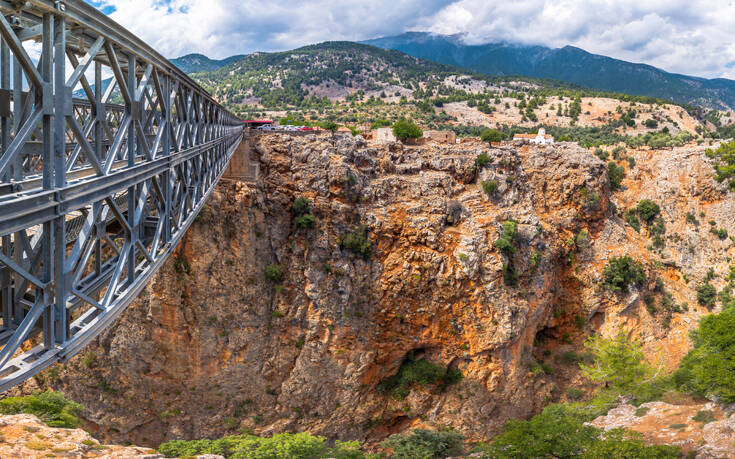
<point>404,129</point>
<point>491,135</point>
<point>647,210</point>
<point>619,362</point>
<point>621,272</point>
<point>615,173</point>
<point>706,294</point>
<point>506,242</point>
<point>724,157</point>
<point>709,368</point>
<point>330,126</point>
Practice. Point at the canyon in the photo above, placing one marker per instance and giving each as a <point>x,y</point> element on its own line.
<point>400,265</point>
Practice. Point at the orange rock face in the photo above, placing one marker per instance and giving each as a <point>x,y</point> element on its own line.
<point>211,346</point>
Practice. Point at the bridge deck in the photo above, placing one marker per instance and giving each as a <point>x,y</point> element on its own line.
<point>94,195</point>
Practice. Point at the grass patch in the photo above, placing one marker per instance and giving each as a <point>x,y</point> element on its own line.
<point>704,416</point>
<point>50,407</point>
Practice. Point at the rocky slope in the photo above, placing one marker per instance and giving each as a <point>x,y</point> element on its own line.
<point>24,436</point>
<point>212,346</point>
<point>702,430</point>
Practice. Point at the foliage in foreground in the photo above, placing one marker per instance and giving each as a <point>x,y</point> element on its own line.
<point>425,444</point>
<point>50,407</point>
<point>559,431</point>
<point>280,446</point>
<point>620,364</point>
<point>709,368</point>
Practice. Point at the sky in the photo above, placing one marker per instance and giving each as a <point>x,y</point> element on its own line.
<point>694,37</point>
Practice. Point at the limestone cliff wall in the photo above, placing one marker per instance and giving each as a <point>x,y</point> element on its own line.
<point>211,346</point>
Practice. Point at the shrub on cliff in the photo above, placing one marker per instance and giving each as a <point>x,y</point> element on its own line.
<point>280,446</point>
<point>489,186</point>
<point>706,294</point>
<point>482,160</point>
<point>615,173</point>
<point>709,368</point>
<point>358,242</point>
<point>303,217</point>
<point>50,407</point>
<point>301,206</point>
<point>404,129</point>
<point>507,239</point>
<point>417,373</point>
<point>724,157</point>
<point>425,444</point>
<point>273,273</point>
<point>647,210</point>
<point>622,272</point>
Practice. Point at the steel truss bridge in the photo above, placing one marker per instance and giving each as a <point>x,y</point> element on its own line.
<point>95,190</point>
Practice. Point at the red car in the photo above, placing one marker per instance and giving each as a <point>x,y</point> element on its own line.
<point>307,128</point>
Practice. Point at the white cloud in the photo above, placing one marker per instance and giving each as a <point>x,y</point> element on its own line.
<point>693,37</point>
<point>684,36</point>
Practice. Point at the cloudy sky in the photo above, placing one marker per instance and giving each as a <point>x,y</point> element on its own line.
<point>695,37</point>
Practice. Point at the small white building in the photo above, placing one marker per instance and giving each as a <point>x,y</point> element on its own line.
<point>542,138</point>
<point>384,135</point>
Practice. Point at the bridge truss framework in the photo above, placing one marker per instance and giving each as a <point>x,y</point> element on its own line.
<point>95,190</point>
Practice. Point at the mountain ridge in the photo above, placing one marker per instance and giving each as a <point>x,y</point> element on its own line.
<point>569,64</point>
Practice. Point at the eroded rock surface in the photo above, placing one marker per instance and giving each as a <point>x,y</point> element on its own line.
<point>24,436</point>
<point>211,346</point>
<point>703,429</point>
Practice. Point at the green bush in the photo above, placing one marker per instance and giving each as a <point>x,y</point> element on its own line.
<point>506,242</point>
<point>706,294</point>
<point>704,416</point>
<point>709,368</point>
<point>301,206</point>
<point>618,152</point>
<point>417,372</point>
<point>280,446</point>
<point>273,273</point>
<point>305,221</point>
<point>482,160</point>
<point>615,173</point>
<point>721,233</point>
<point>621,272</point>
<point>425,444</point>
<point>619,363</point>
<point>632,219</point>
<point>602,154</point>
<point>358,242</point>
<point>491,135</point>
<point>574,393</point>
<point>50,407</point>
<point>647,210</point>
<point>489,186</point>
<point>404,129</point>
<point>724,162</point>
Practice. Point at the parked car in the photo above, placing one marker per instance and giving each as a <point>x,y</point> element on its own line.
<point>307,128</point>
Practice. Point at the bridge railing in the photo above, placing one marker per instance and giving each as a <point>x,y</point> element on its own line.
<point>107,153</point>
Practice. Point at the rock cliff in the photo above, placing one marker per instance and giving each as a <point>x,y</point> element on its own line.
<point>400,265</point>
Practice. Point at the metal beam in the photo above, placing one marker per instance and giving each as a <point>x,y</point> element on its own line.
<point>83,183</point>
